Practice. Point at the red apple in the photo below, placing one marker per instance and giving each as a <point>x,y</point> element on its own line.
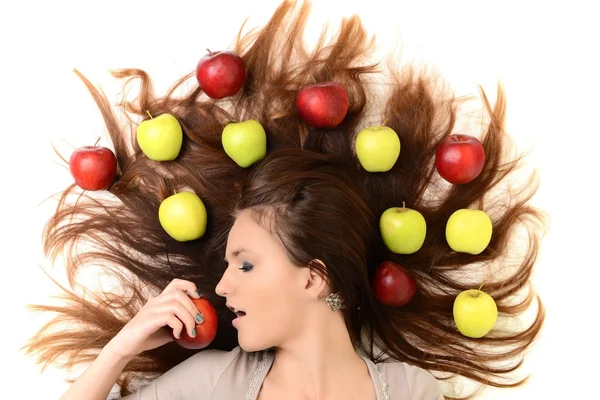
<point>93,167</point>
<point>221,74</point>
<point>393,284</point>
<point>323,105</point>
<point>206,331</point>
<point>459,158</point>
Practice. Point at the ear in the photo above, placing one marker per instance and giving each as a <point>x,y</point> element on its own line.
<point>316,283</point>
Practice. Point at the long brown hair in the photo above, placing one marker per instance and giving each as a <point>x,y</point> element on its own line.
<point>303,165</point>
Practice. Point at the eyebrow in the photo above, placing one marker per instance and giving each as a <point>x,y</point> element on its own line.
<point>237,252</point>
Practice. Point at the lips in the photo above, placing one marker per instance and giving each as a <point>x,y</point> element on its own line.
<point>237,311</point>
<point>240,315</point>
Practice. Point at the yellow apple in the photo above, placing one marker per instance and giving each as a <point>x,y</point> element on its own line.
<point>377,148</point>
<point>469,231</point>
<point>160,138</point>
<point>402,229</point>
<point>245,142</point>
<point>475,313</point>
<point>183,216</point>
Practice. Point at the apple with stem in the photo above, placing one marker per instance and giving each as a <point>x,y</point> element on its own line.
<point>93,167</point>
<point>220,74</point>
<point>459,158</point>
<point>205,331</point>
<point>402,229</point>
<point>377,148</point>
<point>160,138</point>
<point>393,285</point>
<point>475,313</point>
<point>183,216</point>
<point>322,105</point>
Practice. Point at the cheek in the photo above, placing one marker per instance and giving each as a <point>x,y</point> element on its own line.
<point>278,305</point>
<point>276,314</point>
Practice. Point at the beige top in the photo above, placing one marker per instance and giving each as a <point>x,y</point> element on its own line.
<point>221,375</point>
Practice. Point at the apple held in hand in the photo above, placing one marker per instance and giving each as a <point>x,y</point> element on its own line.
<point>160,138</point>
<point>205,332</point>
<point>245,142</point>
<point>323,105</point>
<point>403,229</point>
<point>469,231</point>
<point>459,158</point>
<point>475,313</point>
<point>93,167</point>
<point>220,74</point>
<point>183,216</point>
<point>393,285</point>
<point>377,148</point>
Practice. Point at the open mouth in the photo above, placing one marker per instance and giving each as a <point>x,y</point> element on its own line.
<point>237,311</point>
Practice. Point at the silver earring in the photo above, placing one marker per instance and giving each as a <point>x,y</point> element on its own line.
<point>334,300</point>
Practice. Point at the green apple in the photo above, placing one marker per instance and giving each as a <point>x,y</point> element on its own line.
<point>245,142</point>
<point>377,148</point>
<point>160,138</point>
<point>183,216</point>
<point>402,229</point>
<point>475,313</point>
<point>469,231</point>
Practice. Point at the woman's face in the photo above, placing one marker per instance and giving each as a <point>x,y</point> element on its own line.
<point>262,282</point>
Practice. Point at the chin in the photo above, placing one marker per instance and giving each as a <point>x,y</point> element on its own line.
<point>251,345</point>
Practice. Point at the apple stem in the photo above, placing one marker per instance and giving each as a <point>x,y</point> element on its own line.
<point>480,286</point>
<point>97,141</point>
<point>209,52</point>
<point>150,115</point>
<point>403,205</point>
<point>385,122</point>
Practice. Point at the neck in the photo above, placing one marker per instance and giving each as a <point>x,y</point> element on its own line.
<point>319,360</point>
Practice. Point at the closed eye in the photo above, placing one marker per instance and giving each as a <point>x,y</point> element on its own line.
<point>246,266</point>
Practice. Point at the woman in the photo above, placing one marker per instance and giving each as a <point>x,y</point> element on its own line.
<point>308,215</point>
<point>300,238</point>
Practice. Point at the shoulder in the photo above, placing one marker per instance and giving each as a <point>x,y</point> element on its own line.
<point>213,362</point>
<point>226,368</point>
<point>244,372</point>
<point>195,378</point>
<point>408,381</point>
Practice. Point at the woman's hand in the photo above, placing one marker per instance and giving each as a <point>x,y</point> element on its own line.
<point>170,312</point>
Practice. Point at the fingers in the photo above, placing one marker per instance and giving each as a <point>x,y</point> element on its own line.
<point>173,307</point>
<point>176,287</point>
<point>186,286</point>
<point>189,305</point>
<point>182,313</point>
<point>180,297</point>
<point>173,322</point>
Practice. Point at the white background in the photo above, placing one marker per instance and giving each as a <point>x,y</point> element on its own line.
<point>546,55</point>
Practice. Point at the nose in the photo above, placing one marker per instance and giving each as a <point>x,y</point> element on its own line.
<point>223,288</point>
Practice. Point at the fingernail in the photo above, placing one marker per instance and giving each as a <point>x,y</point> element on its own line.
<point>197,293</point>
<point>199,318</point>
<point>194,332</point>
